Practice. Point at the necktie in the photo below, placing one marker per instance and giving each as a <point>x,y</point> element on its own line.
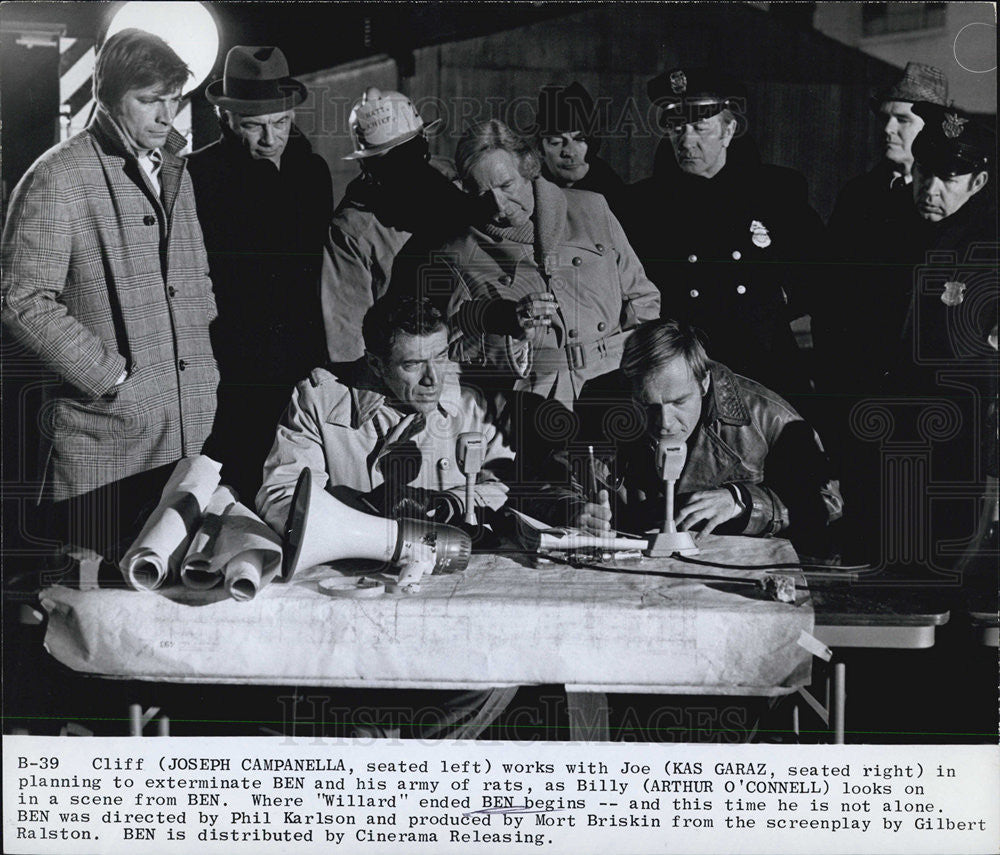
<point>156,160</point>
<point>898,184</point>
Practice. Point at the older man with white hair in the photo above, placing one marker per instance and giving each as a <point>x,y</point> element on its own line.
<point>546,287</point>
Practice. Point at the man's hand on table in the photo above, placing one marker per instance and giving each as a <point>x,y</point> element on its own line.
<point>711,507</point>
<point>595,517</point>
<point>398,501</point>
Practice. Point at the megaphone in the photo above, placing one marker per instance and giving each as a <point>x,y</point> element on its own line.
<point>320,529</point>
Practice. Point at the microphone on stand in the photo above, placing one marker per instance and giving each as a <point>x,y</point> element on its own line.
<point>470,451</point>
<point>670,457</point>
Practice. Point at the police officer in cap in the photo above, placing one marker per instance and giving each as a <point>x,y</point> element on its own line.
<point>724,237</point>
<point>930,365</point>
<point>952,315</point>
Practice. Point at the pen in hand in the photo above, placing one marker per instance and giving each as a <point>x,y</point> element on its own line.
<point>592,489</point>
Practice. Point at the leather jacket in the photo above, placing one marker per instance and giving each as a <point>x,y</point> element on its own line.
<point>747,436</point>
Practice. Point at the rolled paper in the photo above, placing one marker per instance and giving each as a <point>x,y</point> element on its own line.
<point>247,552</point>
<point>196,568</point>
<point>243,576</point>
<point>160,547</point>
<point>538,536</point>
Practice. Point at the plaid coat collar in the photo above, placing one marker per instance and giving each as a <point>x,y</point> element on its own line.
<point>107,128</point>
<point>107,132</point>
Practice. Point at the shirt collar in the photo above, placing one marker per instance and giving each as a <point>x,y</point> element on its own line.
<point>897,178</point>
<point>368,397</point>
<point>104,121</point>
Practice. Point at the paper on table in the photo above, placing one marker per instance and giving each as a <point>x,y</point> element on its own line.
<point>247,552</point>
<point>656,628</point>
<point>196,569</point>
<point>162,543</point>
<point>536,535</point>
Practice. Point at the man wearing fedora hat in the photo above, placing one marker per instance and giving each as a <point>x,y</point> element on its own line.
<point>401,207</point>
<point>264,201</point>
<point>863,238</point>
<point>568,132</point>
<point>724,236</point>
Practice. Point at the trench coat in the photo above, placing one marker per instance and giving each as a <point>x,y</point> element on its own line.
<point>353,440</point>
<point>101,278</point>
<point>581,255</point>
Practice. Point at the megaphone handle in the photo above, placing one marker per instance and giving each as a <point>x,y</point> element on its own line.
<point>470,502</point>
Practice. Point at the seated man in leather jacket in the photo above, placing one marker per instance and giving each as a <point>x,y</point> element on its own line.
<point>753,466</point>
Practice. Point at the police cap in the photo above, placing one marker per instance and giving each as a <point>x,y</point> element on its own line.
<point>952,142</point>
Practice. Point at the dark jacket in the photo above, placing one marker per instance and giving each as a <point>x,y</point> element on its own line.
<point>381,239</point>
<point>728,254</point>
<point>264,231</point>
<point>884,327</point>
<point>747,436</point>
<point>102,276</point>
<point>958,255</point>
<point>867,282</point>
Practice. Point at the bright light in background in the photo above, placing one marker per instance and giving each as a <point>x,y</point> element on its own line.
<point>187,27</point>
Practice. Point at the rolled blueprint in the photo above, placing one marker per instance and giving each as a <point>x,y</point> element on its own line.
<point>196,568</point>
<point>247,552</point>
<point>163,541</point>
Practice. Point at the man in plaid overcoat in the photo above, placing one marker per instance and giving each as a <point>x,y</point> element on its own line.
<point>106,281</point>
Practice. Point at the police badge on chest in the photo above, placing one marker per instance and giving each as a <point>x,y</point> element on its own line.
<point>953,294</point>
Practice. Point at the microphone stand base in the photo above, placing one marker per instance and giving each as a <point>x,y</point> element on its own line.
<point>665,543</point>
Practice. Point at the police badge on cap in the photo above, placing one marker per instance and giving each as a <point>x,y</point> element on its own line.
<point>952,142</point>
<point>690,94</point>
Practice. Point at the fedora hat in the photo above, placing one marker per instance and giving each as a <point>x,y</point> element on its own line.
<point>920,83</point>
<point>255,81</point>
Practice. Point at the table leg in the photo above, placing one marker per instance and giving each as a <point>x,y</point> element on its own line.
<point>839,701</point>
<point>138,719</point>
<point>588,716</point>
